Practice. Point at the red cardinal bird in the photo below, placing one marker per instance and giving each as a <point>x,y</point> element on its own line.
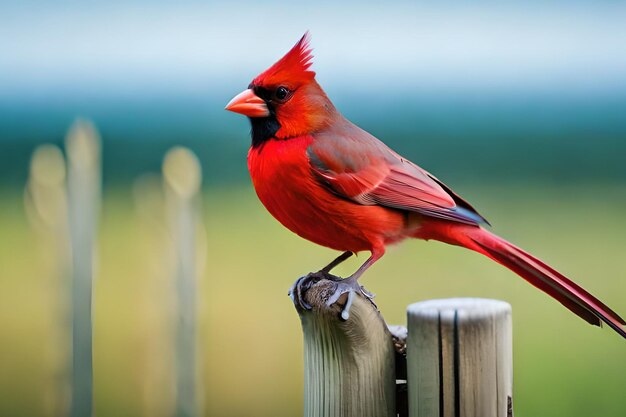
<point>333,183</point>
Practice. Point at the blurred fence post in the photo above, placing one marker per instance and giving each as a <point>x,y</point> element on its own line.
<point>45,201</point>
<point>348,365</point>
<point>182,178</point>
<point>84,188</point>
<point>459,358</point>
<point>157,361</point>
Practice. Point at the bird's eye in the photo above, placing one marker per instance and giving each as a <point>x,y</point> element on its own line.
<point>281,93</point>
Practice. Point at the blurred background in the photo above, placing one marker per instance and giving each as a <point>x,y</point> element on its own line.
<point>520,107</point>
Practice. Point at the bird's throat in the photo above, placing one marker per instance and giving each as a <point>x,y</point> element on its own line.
<point>263,129</point>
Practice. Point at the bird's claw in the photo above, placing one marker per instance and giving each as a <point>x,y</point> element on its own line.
<point>348,286</point>
<point>304,283</point>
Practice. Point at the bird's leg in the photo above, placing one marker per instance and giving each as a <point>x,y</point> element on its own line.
<point>296,292</point>
<point>336,262</point>
<point>351,286</point>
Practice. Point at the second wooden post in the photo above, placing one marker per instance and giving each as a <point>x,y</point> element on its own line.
<point>459,358</point>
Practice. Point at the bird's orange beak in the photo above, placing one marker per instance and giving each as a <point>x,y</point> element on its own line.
<point>248,104</point>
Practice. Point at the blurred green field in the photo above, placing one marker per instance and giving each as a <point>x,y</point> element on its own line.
<point>251,351</point>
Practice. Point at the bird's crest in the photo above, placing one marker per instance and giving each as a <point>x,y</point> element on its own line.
<point>291,68</point>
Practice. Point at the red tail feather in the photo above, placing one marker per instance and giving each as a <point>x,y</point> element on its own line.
<point>571,295</point>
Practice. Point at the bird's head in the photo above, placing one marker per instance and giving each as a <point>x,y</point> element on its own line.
<point>285,101</point>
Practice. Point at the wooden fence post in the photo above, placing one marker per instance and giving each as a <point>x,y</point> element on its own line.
<point>83,185</point>
<point>348,365</point>
<point>45,201</point>
<point>183,179</point>
<point>459,358</point>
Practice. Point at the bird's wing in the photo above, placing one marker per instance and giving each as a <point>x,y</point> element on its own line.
<point>357,166</point>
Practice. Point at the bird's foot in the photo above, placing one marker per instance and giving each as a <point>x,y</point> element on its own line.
<point>351,287</point>
<point>304,283</point>
<point>348,286</point>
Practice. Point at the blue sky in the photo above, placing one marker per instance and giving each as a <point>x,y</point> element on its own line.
<point>104,47</point>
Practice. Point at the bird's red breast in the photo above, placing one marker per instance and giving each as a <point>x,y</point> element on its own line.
<point>287,186</point>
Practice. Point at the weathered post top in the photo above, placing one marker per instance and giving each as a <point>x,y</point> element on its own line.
<point>459,358</point>
<point>349,366</point>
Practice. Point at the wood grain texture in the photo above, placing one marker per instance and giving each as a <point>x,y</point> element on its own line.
<point>349,366</point>
<point>459,358</point>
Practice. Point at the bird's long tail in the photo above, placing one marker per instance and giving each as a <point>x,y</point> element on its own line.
<point>568,293</point>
